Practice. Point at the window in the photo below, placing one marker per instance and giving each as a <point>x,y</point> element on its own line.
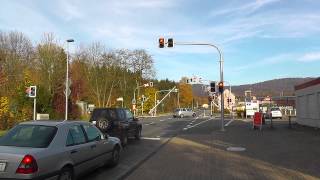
<point>75,136</point>
<point>121,115</point>
<point>92,132</point>
<point>36,136</point>
<point>129,114</point>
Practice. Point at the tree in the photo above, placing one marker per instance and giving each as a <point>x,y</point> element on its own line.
<point>186,97</point>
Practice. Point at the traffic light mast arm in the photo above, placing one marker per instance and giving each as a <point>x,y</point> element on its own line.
<point>221,71</point>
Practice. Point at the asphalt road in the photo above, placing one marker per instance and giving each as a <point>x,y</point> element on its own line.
<point>157,131</point>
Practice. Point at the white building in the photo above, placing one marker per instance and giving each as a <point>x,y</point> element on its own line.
<point>308,103</point>
<point>229,99</point>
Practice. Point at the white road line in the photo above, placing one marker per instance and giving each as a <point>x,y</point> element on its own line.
<point>149,138</point>
<point>162,120</point>
<point>188,127</point>
<point>229,123</point>
<point>169,118</point>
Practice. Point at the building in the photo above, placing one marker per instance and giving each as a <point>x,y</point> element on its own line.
<point>308,103</point>
<point>229,99</point>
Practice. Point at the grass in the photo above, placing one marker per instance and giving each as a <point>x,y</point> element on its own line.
<point>2,132</point>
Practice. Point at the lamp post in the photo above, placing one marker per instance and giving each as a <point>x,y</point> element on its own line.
<point>67,79</point>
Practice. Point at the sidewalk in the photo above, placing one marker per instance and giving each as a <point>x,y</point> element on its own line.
<point>200,153</point>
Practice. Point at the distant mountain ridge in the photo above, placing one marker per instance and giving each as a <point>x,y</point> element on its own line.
<point>275,87</point>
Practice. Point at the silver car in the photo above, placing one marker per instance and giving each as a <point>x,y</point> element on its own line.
<point>55,150</point>
<point>183,112</point>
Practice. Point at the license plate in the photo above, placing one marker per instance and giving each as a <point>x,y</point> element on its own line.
<point>2,166</point>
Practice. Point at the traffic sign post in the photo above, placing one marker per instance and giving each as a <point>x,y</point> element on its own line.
<point>32,92</point>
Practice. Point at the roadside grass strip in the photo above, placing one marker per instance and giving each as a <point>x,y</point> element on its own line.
<point>189,126</point>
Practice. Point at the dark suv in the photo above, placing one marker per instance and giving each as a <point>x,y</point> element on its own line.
<point>118,122</point>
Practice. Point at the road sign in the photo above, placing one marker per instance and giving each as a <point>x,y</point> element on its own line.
<point>120,99</point>
<point>69,92</point>
<point>133,101</point>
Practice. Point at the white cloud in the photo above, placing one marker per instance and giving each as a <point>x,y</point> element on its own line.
<point>310,57</point>
<point>266,62</point>
<point>243,9</point>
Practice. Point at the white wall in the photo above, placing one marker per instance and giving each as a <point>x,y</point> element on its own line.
<point>308,106</point>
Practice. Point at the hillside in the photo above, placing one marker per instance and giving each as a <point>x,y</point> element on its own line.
<point>274,87</point>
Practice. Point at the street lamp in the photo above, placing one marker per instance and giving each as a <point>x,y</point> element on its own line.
<point>67,93</point>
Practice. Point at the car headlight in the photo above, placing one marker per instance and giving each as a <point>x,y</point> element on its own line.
<point>94,122</point>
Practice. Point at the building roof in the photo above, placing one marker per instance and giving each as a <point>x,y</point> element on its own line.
<point>307,84</point>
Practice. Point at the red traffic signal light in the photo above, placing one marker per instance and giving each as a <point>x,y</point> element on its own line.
<point>161,42</point>
<point>220,87</point>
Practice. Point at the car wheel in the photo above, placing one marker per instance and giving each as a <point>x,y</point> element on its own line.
<point>181,115</point>
<point>138,134</point>
<point>103,124</point>
<point>66,174</point>
<point>194,115</point>
<point>115,156</point>
<point>124,139</point>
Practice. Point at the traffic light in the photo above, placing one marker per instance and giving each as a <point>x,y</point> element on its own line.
<point>170,42</point>
<point>33,91</point>
<point>220,87</point>
<point>212,87</point>
<point>161,42</point>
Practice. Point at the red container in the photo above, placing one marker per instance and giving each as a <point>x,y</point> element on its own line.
<point>257,119</point>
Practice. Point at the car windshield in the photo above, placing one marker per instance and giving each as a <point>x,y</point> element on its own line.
<point>35,136</point>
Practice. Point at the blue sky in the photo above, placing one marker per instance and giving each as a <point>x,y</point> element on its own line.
<point>260,39</point>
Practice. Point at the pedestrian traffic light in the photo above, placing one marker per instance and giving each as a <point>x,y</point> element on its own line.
<point>170,42</point>
<point>212,87</point>
<point>161,42</point>
<point>220,87</point>
<point>33,91</point>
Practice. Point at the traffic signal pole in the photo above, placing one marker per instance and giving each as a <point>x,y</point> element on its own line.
<point>221,72</point>
<point>34,108</point>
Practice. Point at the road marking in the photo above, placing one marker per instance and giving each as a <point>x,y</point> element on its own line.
<point>188,127</point>
<point>229,122</point>
<point>149,138</point>
<point>149,124</point>
<point>162,120</point>
<point>169,118</point>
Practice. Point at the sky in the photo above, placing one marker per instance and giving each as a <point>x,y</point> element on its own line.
<point>260,39</point>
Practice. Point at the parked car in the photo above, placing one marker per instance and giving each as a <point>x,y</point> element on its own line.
<point>274,112</point>
<point>55,149</point>
<point>183,112</point>
<point>118,122</point>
